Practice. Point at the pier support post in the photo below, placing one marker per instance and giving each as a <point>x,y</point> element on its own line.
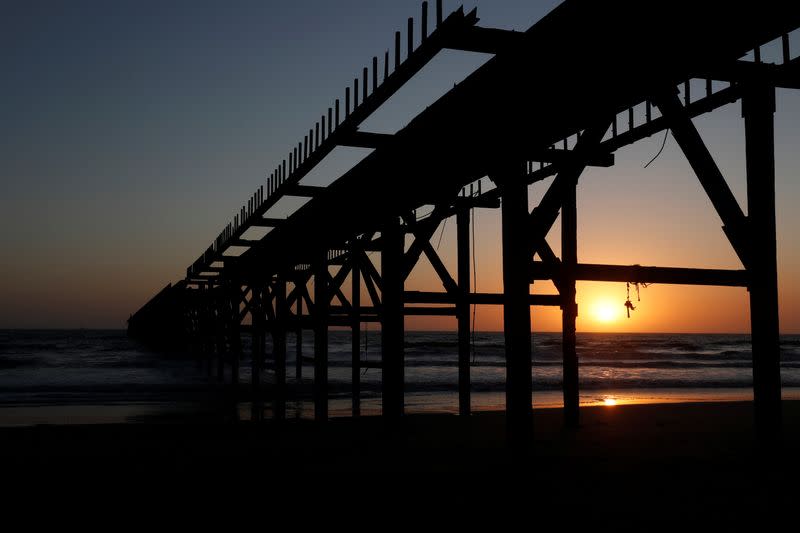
<point>298,363</point>
<point>279,349</point>
<point>321,305</point>
<point>257,353</point>
<point>517,317</point>
<point>222,327</point>
<point>208,329</point>
<point>569,307</point>
<point>235,341</point>
<point>462,310</point>
<point>758,108</point>
<point>392,326</point>
<point>355,329</point>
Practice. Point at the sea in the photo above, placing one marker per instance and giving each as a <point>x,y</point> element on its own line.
<point>102,376</point>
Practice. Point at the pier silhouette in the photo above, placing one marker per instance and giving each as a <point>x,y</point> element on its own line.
<point>588,79</point>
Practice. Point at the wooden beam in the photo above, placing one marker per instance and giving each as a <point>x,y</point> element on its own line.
<point>279,349</point>
<point>462,309</point>
<point>780,76</point>
<point>484,40</point>
<point>243,242</point>
<point>307,191</point>
<point>422,231</point>
<point>559,156</point>
<point>645,274</point>
<point>364,139</point>
<point>444,275</point>
<point>758,108</point>
<point>517,314</point>
<point>392,324</point>
<point>549,257</point>
<point>267,222</point>
<point>707,171</point>
<point>545,214</point>
<point>482,201</point>
<point>369,269</point>
<point>355,330</point>
<point>569,308</point>
<point>480,298</point>
<point>321,318</point>
<point>429,311</point>
<point>298,361</point>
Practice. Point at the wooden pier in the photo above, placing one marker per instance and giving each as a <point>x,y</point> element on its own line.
<point>554,100</point>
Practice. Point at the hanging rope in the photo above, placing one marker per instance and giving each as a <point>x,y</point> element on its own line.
<point>628,304</point>
<point>663,144</point>
<point>444,225</point>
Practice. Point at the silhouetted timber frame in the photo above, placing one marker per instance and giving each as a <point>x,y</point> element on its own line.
<point>547,104</point>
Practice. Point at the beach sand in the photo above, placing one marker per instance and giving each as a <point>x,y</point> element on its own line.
<point>628,462</point>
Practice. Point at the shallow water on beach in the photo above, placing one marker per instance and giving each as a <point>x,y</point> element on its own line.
<point>101,376</point>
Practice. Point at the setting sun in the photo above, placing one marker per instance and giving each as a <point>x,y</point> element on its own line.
<point>606,312</point>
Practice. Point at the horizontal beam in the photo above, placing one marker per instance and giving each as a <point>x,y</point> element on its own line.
<point>365,139</point>
<point>645,274</point>
<point>484,40</point>
<point>429,311</point>
<point>243,242</point>
<point>364,310</point>
<point>306,191</point>
<point>476,201</point>
<point>417,297</point>
<point>705,105</point>
<point>781,76</point>
<point>560,156</point>
<point>267,222</point>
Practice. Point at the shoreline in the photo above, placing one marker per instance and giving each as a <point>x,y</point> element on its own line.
<point>214,408</point>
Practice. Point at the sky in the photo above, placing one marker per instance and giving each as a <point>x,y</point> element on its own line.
<point>132,132</point>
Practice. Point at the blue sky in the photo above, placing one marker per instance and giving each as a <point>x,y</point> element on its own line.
<point>131,133</point>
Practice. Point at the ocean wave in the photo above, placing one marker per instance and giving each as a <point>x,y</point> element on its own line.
<point>19,362</point>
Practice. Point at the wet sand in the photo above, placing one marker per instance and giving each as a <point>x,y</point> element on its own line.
<point>687,460</point>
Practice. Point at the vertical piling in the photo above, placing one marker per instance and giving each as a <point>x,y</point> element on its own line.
<point>392,328</point>
<point>462,309</point>
<point>257,352</point>
<point>517,318</point>
<point>758,108</point>
<point>321,304</point>
<point>223,324</point>
<point>234,343</point>
<point>279,349</point>
<point>298,363</point>
<point>569,307</point>
<point>355,328</point>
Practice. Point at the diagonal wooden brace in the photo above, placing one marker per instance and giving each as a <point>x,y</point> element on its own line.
<point>735,223</point>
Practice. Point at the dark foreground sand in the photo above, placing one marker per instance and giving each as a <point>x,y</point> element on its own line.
<point>667,462</point>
